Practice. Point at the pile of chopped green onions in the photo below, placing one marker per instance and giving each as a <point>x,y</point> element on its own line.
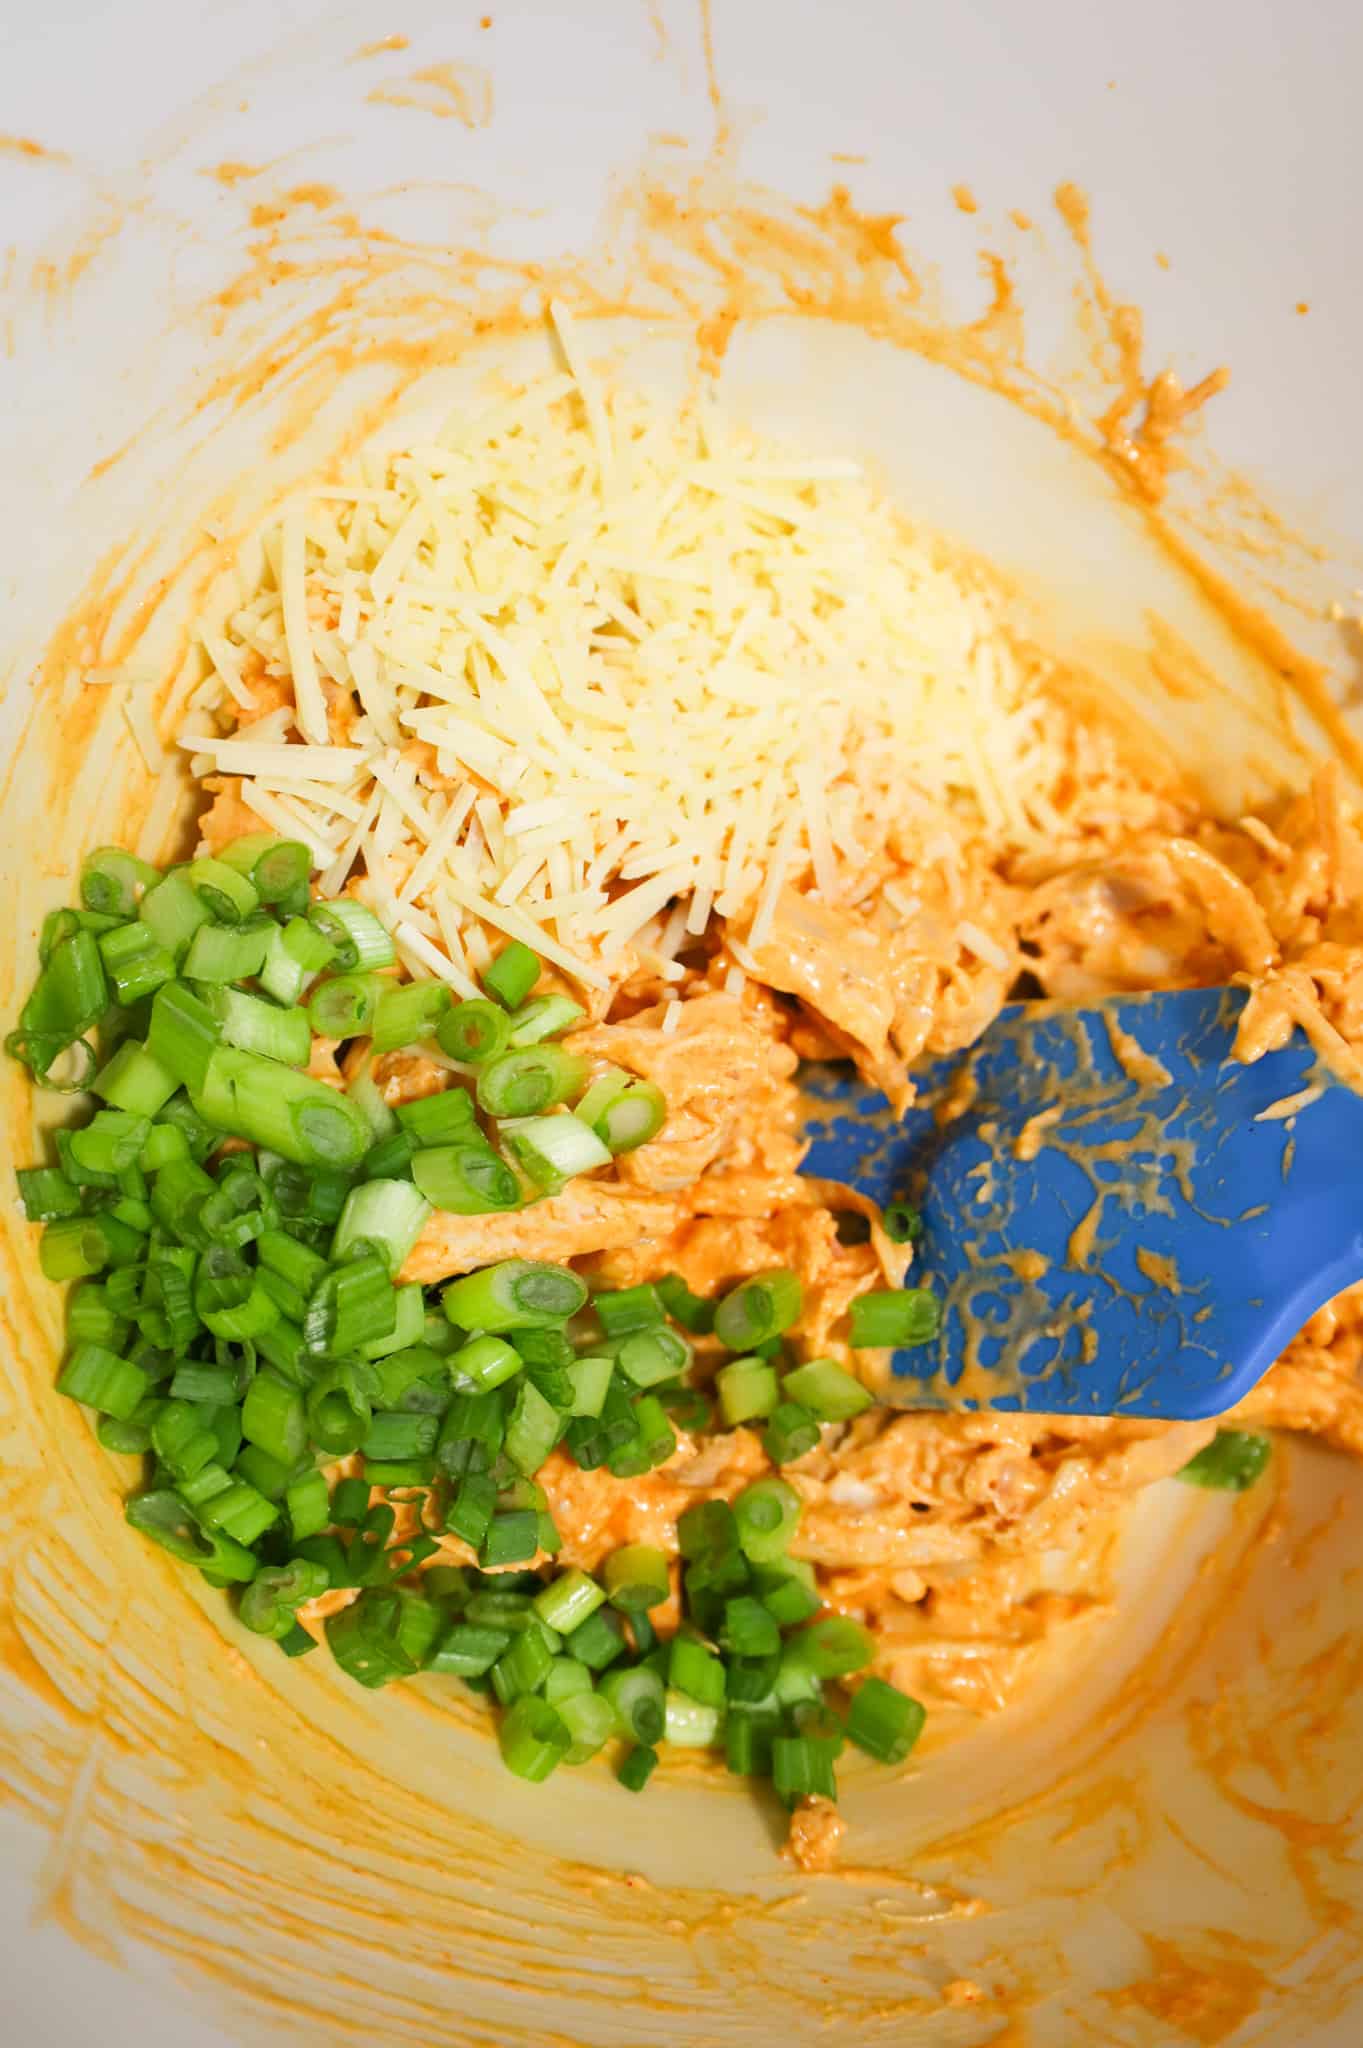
<point>238,1321</point>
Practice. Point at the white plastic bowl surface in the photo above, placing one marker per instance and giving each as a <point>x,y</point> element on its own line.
<point>1166,1840</point>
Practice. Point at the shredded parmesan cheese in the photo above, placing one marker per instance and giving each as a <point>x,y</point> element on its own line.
<point>584,664</point>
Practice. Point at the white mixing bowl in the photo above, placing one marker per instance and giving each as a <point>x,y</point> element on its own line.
<point>231,238</point>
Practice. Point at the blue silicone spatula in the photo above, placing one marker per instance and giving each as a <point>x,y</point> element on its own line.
<point>1118,1217</point>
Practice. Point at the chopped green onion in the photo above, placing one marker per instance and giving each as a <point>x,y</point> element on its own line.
<point>597,1641</point>
<point>895,1316</point>
<point>827,1390</point>
<point>636,1768</point>
<point>554,1149</point>
<point>92,1319</point>
<point>631,1309</point>
<point>134,961</point>
<point>274,867</point>
<point>484,1363</point>
<point>568,1600</point>
<point>791,1433</point>
<point>135,1080</point>
<point>273,1416</point>
<point>407,1014</point>
<point>531,1430</point>
<point>651,1356</point>
<point>209,1386</point>
<point>802,1768</point>
<point>747,1744</point>
<point>533,1738</point>
<point>471,1434</point>
<point>350,1503</point>
<point>636,1578</point>
<point>182,1439</point>
<point>566,1679</point>
<point>511,1539</point>
<point>470,1515</point>
<point>409,1323</point>
<point>173,912</point>
<point>345,1007</point>
<point>788,1598</point>
<point>47,1194</point>
<point>230,1505</point>
<point>412,1380</point>
<point>445,1118</point>
<point>103,1381</point>
<point>513,974</point>
<point>130,1438</point>
<point>748,1629</point>
<point>271,1601</point>
<point>257,1026</point>
<point>696,1671</point>
<point>747,1390</point>
<point>1231,1462</point>
<point>707,1530</point>
<point>473,1032</point>
<point>220,952</point>
<point>636,1115</point>
<point>590,1721</point>
<point>395,1438</point>
<point>229,896</point>
<point>759,1308</point>
<point>466,1179</point>
<point>518,1294</point>
<point>901,1222</point>
<point>545,1017</point>
<point>522,1084</point>
<point>339,1412</point>
<point>294,953</point>
<point>657,1438</point>
<point>767,1514</point>
<point>69,997</point>
<point>385,1634</point>
<point>307,1505</point>
<point>262,1471</point>
<point>690,1723</point>
<point>884,1721</point>
<point>523,1666</point>
<point>167,1519</point>
<point>76,1246</point>
<point>589,1380</point>
<point>692,1311</point>
<point>833,1648</point>
<point>285,1111</point>
<point>387,1214</point>
<point>390,1158</point>
<point>56,926</point>
<point>112,881</point>
<point>470,1649</point>
<point>356,935</point>
<point>111,1141</point>
<point>637,1698</point>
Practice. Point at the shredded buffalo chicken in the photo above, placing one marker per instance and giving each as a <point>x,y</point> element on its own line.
<point>964,1541</point>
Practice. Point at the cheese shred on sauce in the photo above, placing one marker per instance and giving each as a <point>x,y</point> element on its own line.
<point>583,656</point>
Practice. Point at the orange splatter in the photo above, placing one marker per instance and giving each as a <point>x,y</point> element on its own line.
<point>459,91</point>
<point>384,44</point>
<point>24,145</point>
<point>965,199</point>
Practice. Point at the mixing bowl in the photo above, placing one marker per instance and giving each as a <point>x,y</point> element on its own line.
<point>238,240</point>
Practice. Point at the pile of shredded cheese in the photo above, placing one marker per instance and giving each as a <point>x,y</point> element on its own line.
<point>586,669</point>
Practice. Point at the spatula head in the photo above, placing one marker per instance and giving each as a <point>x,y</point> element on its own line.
<point>1116,1218</point>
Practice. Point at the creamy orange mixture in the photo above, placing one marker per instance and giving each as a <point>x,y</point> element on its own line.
<point>964,1541</point>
